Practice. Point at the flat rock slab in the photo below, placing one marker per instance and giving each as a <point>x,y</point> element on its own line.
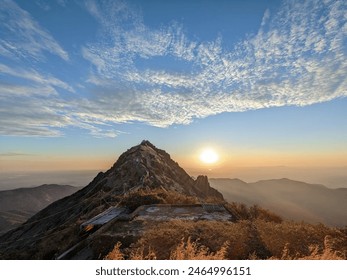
<point>104,217</point>
<point>183,212</point>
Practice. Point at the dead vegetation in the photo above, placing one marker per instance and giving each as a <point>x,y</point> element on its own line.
<point>185,250</point>
<point>256,234</point>
<point>137,198</point>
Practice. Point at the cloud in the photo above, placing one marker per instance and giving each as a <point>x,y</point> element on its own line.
<point>14,154</point>
<point>31,103</point>
<point>31,115</point>
<point>296,58</point>
<point>35,77</point>
<point>22,37</point>
<point>37,107</point>
<point>43,5</point>
<point>62,3</point>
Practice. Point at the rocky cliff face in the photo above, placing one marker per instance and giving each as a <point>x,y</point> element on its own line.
<point>143,167</point>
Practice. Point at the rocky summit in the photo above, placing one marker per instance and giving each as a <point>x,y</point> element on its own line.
<point>142,180</point>
<point>145,166</point>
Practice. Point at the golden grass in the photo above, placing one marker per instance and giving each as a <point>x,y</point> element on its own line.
<point>141,197</point>
<point>194,251</point>
<point>242,240</point>
<point>116,253</point>
<point>256,234</point>
<point>188,250</point>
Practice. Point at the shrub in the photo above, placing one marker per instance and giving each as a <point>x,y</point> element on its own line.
<point>188,250</point>
<point>291,240</point>
<point>242,212</point>
<point>141,197</point>
<point>116,253</point>
<point>214,235</point>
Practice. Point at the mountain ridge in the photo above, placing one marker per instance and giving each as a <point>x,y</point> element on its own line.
<point>140,168</point>
<point>290,198</point>
<point>17,205</point>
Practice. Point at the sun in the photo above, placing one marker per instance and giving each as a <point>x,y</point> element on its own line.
<point>209,156</point>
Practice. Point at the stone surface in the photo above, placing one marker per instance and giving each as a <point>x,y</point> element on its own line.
<point>191,212</point>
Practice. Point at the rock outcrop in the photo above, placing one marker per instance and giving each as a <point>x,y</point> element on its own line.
<point>203,186</point>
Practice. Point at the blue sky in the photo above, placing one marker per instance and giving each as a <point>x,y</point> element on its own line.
<point>88,79</point>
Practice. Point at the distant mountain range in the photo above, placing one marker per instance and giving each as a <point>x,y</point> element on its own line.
<point>18,205</point>
<point>291,199</point>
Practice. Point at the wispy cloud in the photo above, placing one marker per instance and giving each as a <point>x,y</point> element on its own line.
<point>43,5</point>
<point>297,58</point>
<point>14,154</point>
<point>22,37</point>
<point>32,115</point>
<point>62,3</point>
<point>30,103</point>
<point>30,98</point>
<point>35,77</point>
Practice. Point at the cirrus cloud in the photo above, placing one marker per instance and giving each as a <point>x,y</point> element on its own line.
<point>23,37</point>
<point>298,57</point>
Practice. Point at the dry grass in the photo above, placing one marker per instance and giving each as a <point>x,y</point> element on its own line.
<point>141,197</point>
<point>242,212</point>
<point>255,234</point>
<point>328,252</point>
<point>166,238</point>
<point>188,250</point>
<point>194,251</point>
<point>296,240</point>
<point>242,240</point>
<point>116,253</point>
<point>210,239</point>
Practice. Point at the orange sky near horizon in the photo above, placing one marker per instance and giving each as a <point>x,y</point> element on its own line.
<point>226,162</point>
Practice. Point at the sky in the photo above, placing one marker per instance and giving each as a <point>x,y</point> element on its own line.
<point>263,83</point>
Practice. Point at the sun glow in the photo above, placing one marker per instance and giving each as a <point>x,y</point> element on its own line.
<point>209,156</point>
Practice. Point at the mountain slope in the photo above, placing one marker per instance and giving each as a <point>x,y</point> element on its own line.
<point>291,199</point>
<point>17,205</point>
<point>142,168</point>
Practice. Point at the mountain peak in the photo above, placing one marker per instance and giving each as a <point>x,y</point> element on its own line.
<point>147,143</point>
<point>146,166</point>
